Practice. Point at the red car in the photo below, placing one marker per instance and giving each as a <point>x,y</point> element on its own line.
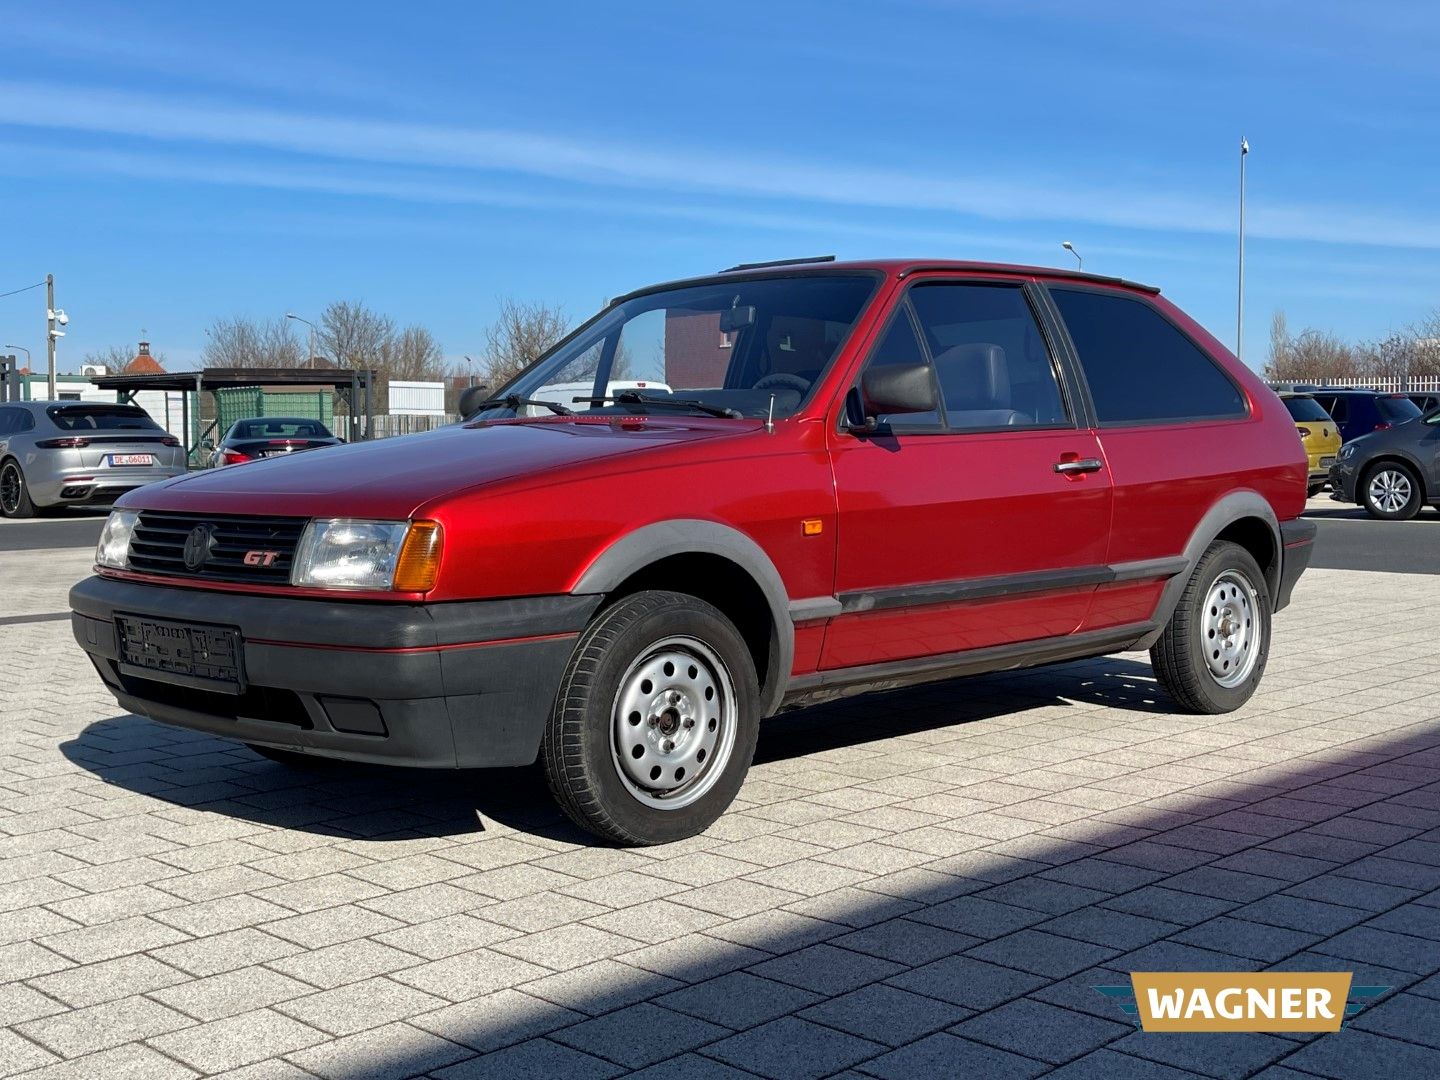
<point>838,477</point>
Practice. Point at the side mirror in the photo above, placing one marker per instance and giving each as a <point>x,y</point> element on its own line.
<point>896,388</point>
<point>470,397</point>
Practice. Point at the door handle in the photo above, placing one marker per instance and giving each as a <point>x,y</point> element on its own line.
<point>1079,465</point>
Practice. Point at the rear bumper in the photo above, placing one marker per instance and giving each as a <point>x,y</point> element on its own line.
<point>1297,542</point>
<point>78,486</point>
<point>434,685</point>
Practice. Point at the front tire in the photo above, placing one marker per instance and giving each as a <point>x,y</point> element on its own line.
<point>655,722</point>
<point>14,493</point>
<point>1212,653</point>
<point>1391,492</point>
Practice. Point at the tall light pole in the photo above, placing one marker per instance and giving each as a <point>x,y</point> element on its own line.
<point>310,361</point>
<point>22,348</point>
<point>1240,282</point>
<point>54,318</point>
<point>1068,246</point>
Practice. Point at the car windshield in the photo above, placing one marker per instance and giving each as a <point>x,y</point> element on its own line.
<point>1307,408</point>
<point>730,344</point>
<point>101,418</point>
<point>275,427</point>
<point>1397,409</point>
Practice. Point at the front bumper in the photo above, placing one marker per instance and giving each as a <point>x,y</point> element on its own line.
<point>436,685</point>
<point>1343,477</point>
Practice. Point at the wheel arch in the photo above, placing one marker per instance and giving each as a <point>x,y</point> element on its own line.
<point>1242,517</point>
<point>722,566</point>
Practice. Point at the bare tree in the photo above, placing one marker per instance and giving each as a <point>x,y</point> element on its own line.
<point>354,336</point>
<point>251,343</point>
<point>413,353</point>
<point>520,335</point>
<point>1279,345</point>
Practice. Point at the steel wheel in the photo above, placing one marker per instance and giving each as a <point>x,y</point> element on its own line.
<point>1233,632</point>
<point>674,721</point>
<point>12,490</point>
<point>1390,490</point>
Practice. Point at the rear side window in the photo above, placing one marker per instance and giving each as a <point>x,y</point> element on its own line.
<point>1306,408</point>
<point>1139,366</point>
<point>1397,409</point>
<point>9,421</point>
<point>101,418</point>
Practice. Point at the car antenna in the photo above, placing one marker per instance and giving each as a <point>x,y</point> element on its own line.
<point>770,417</point>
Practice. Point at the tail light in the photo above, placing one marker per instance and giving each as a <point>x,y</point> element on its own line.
<point>1382,427</point>
<point>1304,432</point>
<point>232,457</point>
<point>62,444</point>
<point>169,440</point>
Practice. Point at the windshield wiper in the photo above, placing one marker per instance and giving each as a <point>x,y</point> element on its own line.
<point>516,402</point>
<point>630,397</point>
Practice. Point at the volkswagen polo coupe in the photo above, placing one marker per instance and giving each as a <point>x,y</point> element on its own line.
<point>850,477</point>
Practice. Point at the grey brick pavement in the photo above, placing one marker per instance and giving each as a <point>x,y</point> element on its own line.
<point>925,883</point>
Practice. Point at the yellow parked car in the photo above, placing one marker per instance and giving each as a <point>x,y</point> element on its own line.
<point>1318,433</point>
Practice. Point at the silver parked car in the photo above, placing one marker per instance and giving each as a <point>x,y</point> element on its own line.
<point>74,453</point>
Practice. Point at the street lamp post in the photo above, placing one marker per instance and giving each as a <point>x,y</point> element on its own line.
<point>1068,246</point>
<point>1240,282</point>
<point>22,348</point>
<point>310,362</point>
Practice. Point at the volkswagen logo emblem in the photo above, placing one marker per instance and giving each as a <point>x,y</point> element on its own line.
<point>197,546</point>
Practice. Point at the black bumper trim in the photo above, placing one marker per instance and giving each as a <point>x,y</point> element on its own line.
<point>438,706</point>
<point>1297,544</point>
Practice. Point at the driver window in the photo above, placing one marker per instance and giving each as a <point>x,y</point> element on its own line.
<point>901,346</point>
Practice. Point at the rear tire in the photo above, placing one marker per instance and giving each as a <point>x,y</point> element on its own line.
<point>655,722</point>
<point>1313,490</point>
<point>1212,653</point>
<point>14,493</point>
<point>1390,491</point>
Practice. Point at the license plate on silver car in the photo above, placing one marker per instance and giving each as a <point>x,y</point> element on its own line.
<point>131,459</point>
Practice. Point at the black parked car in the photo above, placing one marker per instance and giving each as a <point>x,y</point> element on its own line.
<point>1359,412</point>
<point>271,436</point>
<point>1393,472</point>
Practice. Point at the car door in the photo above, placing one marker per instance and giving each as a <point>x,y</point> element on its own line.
<point>983,522</point>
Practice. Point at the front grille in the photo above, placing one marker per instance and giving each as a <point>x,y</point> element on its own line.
<point>157,546</point>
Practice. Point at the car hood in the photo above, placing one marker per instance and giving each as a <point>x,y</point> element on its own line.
<point>392,478</point>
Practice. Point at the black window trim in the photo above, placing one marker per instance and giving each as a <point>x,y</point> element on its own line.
<point>1074,353</point>
<point>1060,364</point>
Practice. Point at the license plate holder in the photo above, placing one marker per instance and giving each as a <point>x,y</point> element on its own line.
<point>186,654</point>
<point>126,460</point>
<point>1327,461</point>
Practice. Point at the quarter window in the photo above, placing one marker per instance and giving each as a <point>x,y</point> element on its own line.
<point>1140,368</point>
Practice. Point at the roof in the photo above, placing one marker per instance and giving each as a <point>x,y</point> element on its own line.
<point>891,267</point>
<point>223,378</point>
<point>144,364</point>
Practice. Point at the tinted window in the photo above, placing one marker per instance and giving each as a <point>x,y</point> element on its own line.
<point>1139,366</point>
<point>276,427</point>
<point>991,360</point>
<point>101,418</point>
<point>8,418</point>
<point>1305,408</point>
<point>1397,409</point>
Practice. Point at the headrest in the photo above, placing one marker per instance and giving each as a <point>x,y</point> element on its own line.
<point>974,375</point>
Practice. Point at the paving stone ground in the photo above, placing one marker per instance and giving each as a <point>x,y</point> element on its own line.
<point>924,883</point>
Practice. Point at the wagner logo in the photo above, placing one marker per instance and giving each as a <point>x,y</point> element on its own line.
<point>1241,1000</point>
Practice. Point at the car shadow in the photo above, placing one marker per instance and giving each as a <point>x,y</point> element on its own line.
<point>382,802</point>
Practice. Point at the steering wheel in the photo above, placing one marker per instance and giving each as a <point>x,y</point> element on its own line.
<point>784,380</point>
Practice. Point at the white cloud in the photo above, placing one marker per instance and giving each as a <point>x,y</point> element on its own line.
<point>597,162</point>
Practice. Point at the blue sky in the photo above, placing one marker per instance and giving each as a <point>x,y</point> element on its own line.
<point>171,163</point>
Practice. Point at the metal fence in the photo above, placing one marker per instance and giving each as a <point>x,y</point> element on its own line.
<point>1403,384</point>
<point>389,425</point>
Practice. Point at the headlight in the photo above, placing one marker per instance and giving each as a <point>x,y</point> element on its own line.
<point>1347,450</point>
<point>347,553</point>
<point>114,546</point>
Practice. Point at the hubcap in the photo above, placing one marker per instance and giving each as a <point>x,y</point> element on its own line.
<point>10,489</point>
<point>1232,628</point>
<point>674,723</point>
<point>1390,490</point>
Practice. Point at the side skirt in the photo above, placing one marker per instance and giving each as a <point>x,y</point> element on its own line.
<point>893,674</point>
